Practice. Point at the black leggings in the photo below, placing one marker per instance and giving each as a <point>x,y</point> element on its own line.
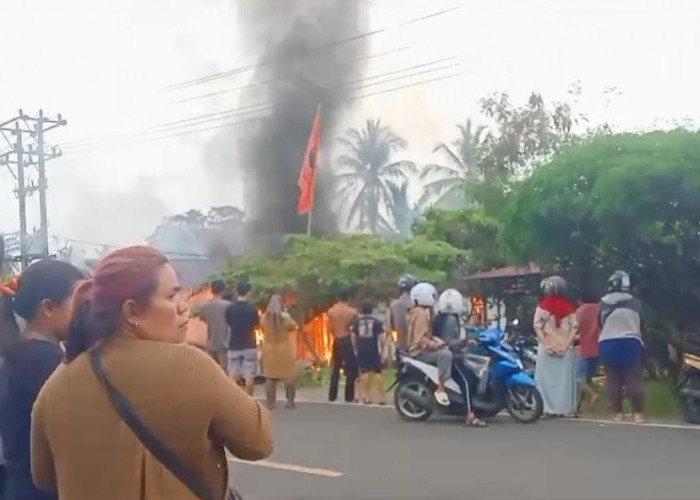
<point>625,378</point>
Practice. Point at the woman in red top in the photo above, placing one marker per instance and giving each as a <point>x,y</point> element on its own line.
<point>589,331</point>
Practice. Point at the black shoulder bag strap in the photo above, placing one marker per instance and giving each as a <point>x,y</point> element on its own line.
<point>171,462</point>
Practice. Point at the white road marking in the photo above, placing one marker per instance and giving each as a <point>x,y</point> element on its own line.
<point>288,467</point>
<point>645,424</point>
<point>505,414</point>
<point>339,403</point>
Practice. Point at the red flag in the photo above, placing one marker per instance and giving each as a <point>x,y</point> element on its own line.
<point>307,176</point>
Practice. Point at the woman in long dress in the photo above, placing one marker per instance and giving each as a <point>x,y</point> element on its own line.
<point>556,327</point>
<point>278,352</point>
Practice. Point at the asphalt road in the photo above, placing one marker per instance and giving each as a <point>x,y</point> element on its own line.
<point>373,455</point>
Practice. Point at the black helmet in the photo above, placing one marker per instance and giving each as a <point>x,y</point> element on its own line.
<point>553,285</point>
<point>619,281</point>
<point>406,282</point>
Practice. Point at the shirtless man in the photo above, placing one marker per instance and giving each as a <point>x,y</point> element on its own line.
<point>340,317</point>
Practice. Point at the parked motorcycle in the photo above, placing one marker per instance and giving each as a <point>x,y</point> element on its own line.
<point>496,382</point>
<point>689,387</point>
<point>524,345</point>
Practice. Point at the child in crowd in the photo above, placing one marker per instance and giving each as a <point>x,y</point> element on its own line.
<point>368,334</point>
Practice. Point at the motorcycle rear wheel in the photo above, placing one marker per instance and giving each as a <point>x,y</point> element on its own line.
<point>524,403</point>
<point>408,410</point>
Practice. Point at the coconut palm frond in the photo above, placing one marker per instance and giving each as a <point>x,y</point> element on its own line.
<point>440,170</point>
<point>357,204</point>
<point>451,155</point>
<point>401,168</point>
<point>353,163</point>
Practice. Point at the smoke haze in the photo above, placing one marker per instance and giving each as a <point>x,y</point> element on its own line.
<point>296,45</point>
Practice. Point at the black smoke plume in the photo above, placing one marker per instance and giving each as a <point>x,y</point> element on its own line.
<point>302,47</point>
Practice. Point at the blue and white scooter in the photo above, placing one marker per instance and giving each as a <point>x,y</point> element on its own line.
<point>496,382</point>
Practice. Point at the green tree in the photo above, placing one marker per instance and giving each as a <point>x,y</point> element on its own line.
<point>467,229</point>
<point>367,170</point>
<point>218,233</point>
<point>316,268</point>
<point>524,136</point>
<point>623,201</point>
<point>464,163</point>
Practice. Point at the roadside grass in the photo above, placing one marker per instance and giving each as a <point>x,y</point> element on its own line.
<point>661,402</point>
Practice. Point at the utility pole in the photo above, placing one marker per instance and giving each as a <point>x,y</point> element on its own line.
<point>22,155</point>
<point>22,197</point>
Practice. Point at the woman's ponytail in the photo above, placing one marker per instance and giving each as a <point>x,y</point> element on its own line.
<point>9,329</point>
<point>79,335</point>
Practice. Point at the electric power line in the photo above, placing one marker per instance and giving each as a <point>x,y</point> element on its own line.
<point>265,106</point>
<point>84,142</point>
<point>337,43</point>
<point>235,123</point>
<point>268,82</point>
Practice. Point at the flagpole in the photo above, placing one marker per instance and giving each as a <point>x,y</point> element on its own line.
<point>308,224</point>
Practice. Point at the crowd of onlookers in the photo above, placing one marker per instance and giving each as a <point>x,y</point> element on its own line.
<point>573,342</point>
<point>95,370</point>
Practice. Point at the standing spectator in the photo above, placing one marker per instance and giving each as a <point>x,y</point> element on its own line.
<point>556,328</point>
<point>399,310</point>
<point>213,313</point>
<point>368,334</point>
<point>587,316</point>
<point>278,352</point>
<point>44,298</point>
<point>621,345</point>
<point>340,317</point>
<point>134,412</point>
<point>242,318</point>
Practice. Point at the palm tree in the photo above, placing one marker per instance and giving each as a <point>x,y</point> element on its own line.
<point>368,170</point>
<point>402,213</point>
<point>464,163</point>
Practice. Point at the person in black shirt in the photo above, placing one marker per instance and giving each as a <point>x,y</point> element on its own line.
<point>368,333</point>
<point>44,299</point>
<point>243,319</point>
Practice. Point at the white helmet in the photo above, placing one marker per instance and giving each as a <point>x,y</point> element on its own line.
<point>424,294</point>
<point>451,301</point>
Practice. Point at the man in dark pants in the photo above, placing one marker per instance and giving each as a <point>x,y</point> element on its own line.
<point>340,317</point>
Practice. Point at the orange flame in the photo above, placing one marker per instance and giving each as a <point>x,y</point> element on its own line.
<point>318,341</point>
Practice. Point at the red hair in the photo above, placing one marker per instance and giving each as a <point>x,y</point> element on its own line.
<point>126,274</point>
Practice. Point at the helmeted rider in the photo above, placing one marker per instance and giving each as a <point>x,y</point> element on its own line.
<point>447,325</point>
<point>422,344</point>
<point>399,310</point>
<point>621,346</point>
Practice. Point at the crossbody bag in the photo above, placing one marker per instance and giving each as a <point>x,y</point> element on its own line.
<point>166,457</point>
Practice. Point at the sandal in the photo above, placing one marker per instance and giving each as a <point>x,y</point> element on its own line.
<point>638,418</point>
<point>476,422</point>
<point>618,418</point>
<point>442,398</point>
<point>290,406</point>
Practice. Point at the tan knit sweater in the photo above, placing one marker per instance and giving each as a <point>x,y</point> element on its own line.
<point>82,448</point>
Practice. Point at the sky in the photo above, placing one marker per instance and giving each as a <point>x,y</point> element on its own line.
<point>109,66</point>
